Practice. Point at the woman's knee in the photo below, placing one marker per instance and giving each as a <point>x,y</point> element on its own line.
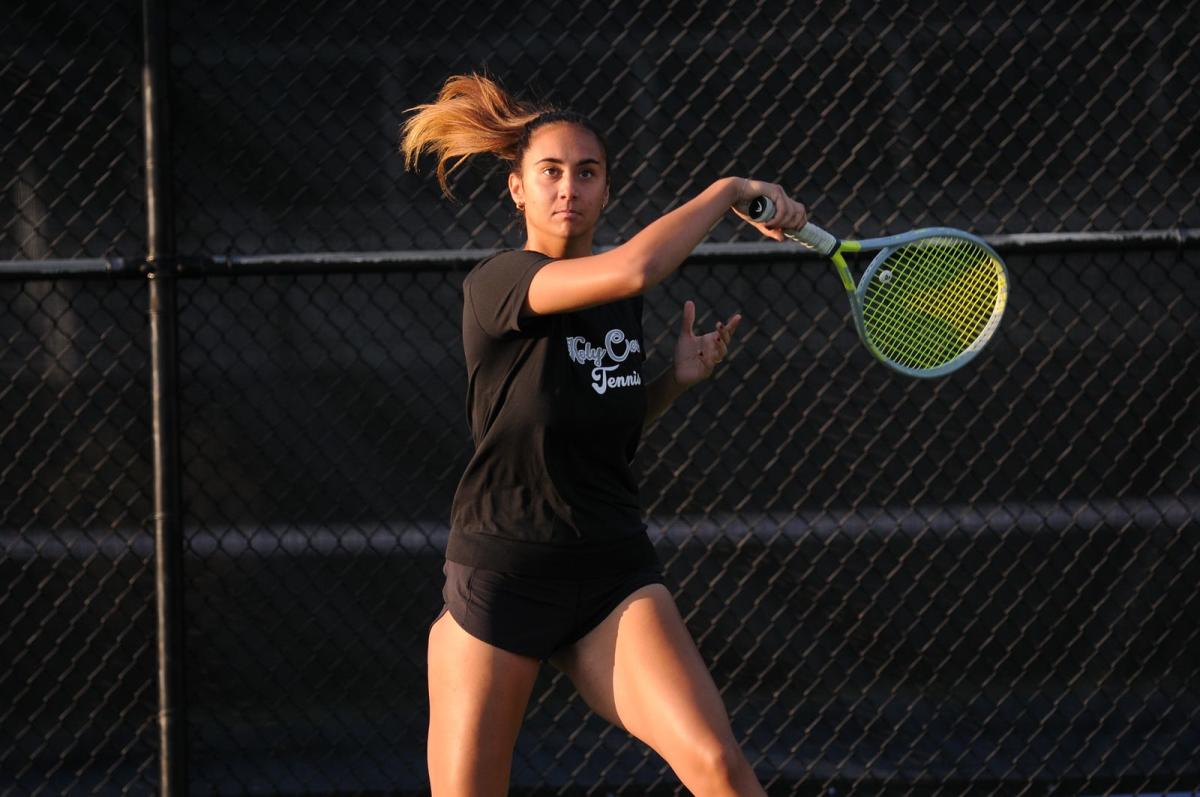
<point>716,767</point>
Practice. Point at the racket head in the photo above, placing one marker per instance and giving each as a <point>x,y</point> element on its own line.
<point>931,300</point>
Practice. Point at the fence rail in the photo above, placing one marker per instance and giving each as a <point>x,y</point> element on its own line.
<point>463,259</point>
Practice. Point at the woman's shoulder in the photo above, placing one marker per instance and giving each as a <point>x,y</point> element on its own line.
<point>494,290</point>
<point>508,257</point>
<point>501,270</point>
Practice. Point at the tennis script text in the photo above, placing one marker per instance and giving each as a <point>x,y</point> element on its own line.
<point>616,349</point>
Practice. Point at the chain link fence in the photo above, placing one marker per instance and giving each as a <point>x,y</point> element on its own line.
<point>984,584</point>
<point>76,583</point>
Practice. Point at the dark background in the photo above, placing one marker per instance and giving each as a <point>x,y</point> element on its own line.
<point>980,584</point>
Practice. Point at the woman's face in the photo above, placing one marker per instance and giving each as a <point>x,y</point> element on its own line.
<point>563,184</point>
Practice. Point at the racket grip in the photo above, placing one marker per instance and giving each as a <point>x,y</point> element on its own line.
<point>762,209</point>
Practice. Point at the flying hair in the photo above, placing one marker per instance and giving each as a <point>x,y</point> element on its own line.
<point>473,115</point>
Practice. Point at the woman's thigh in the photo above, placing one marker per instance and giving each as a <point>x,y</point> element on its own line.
<point>641,670</point>
<point>477,699</point>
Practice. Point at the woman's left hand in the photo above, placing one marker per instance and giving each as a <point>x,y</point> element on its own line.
<point>697,356</point>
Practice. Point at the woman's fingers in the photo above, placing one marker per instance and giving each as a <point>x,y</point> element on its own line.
<point>722,335</point>
<point>789,214</point>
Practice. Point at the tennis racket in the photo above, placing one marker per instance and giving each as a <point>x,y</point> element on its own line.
<point>928,302</point>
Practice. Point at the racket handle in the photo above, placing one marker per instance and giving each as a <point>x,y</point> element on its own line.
<point>762,209</point>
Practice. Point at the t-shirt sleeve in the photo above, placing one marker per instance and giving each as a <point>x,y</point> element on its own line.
<point>497,287</point>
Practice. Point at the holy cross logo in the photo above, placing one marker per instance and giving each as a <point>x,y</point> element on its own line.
<point>616,349</point>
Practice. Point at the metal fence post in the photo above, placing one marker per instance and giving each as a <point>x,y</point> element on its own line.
<point>168,533</point>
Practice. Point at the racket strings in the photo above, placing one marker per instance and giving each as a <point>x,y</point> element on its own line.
<point>929,314</point>
<point>933,300</point>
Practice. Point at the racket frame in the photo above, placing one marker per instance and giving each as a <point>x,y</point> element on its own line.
<point>833,248</point>
<point>887,246</point>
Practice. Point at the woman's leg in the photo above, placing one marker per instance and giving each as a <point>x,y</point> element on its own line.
<point>477,699</point>
<point>641,670</point>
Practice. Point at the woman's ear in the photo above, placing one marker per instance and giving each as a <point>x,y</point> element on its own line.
<point>516,189</point>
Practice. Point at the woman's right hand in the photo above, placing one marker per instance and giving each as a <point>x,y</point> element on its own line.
<point>789,214</point>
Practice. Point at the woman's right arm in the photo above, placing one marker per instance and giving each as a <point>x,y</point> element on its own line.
<point>648,257</point>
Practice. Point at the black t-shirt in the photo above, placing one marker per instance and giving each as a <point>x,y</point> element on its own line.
<point>556,405</point>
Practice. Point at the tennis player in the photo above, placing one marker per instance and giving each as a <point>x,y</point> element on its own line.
<point>548,558</point>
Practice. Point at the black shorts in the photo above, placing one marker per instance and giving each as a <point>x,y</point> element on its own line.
<point>531,615</point>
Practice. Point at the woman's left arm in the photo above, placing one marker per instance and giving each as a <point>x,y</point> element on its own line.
<point>695,358</point>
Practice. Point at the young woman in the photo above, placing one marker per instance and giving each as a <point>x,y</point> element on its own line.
<point>548,558</point>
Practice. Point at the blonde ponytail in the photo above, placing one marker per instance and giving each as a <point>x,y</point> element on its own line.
<point>471,116</point>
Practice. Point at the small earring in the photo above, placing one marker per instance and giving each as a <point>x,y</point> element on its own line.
<point>521,206</point>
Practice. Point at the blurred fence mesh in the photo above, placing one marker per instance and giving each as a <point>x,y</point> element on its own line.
<point>984,584</point>
<point>76,582</point>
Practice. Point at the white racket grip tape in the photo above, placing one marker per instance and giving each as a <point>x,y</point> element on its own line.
<point>762,209</point>
<point>814,237</point>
